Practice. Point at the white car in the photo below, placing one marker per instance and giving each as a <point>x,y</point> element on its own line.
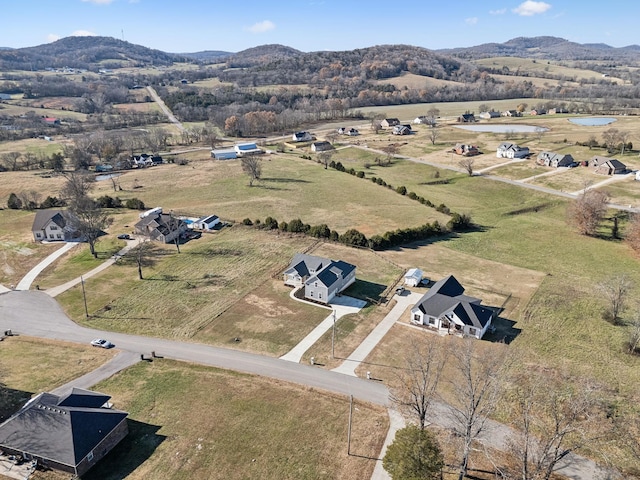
<point>102,343</point>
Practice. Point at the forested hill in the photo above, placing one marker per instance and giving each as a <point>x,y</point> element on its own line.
<point>548,48</point>
<point>84,52</point>
<point>373,63</point>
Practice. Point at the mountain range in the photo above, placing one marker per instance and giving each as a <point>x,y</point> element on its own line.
<point>107,52</point>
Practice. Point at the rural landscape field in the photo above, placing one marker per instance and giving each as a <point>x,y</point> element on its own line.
<point>382,159</point>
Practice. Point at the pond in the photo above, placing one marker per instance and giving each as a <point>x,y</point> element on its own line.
<point>592,121</point>
<point>503,128</point>
<point>107,176</point>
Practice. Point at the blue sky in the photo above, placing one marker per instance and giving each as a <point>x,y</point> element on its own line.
<point>312,25</point>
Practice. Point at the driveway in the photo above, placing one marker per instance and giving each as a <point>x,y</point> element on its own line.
<point>29,278</point>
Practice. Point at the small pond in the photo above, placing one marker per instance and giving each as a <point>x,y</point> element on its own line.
<point>592,121</point>
<point>107,176</point>
<point>503,128</point>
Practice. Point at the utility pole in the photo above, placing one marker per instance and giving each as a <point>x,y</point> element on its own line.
<point>84,297</point>
<point>349,429</point>
<point>333,336</point>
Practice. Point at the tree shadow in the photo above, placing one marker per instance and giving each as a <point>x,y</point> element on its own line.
<point>129,454</point>
<point>284,180</point>
<point>11,400</point>
<point>503,331</point>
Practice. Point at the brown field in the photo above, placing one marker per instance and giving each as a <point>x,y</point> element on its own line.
<point>15,108</point>
<point>147,107</point>
<point>413,81</point>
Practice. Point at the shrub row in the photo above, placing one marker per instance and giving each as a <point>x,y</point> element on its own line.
<point>16,203</point>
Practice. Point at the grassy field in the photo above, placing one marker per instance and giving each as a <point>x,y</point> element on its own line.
<point>241,427</point>
<point>35,146</point>
<point>31,366</point>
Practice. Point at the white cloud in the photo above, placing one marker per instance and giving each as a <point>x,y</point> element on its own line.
<point>98,2</point>
<point>530,8</point>
<point>471,20</point>
<point>52,37</point>
<point>83,33</point>
<point>501,11</point>
<point>261,27</point>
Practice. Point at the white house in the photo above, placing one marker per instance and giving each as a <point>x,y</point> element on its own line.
<point>51,225</point>
<point>511,150</point>
<point>206,223</point>
<point>321,146</point>
<point>302,137</point>
<point>246,149</point>
<point>447,309</point>
<point>413,277</point>
<point>321,278</point>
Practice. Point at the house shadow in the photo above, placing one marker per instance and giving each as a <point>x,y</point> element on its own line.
<point>129,454</point>
<point>11,400</point>
<point>504,331</point>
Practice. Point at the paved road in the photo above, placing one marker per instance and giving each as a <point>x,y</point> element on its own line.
<point>37,314</point>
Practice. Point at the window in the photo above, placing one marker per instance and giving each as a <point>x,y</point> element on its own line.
<point>53,227</point>
<point>58,236</point>
<point>51,236</point>
<point>432,321</point>
<point>315,284</point>
<point>416,317</point>
<point>90,456</point>
<point>38,235</point>
<point>472,331</point>
<point>319,295</point>
<point>311,293</point>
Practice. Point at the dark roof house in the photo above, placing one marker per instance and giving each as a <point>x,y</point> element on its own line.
<point>52,225</point>
<point>321,278</point>
<point>611,167</point>
<point>70,433</point>
<point>161,227</point>
<point>446,307</point>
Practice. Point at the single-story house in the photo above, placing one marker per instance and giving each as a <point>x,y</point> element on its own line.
<point>401,130</point>
<point>511,150</point>
<point>611,167</point>
<point>552,159</point>
<point>511,113</point>
<point>322,278</point>
<point>161,227</point>
<point>540,111</point>
<point>69,433</point>
<point>467,118</point>
<point>224,154</point>
<point>446,308</point>
<point>466,150</point>
<point>413,277</point>
<point>389,122</point>
<point>51,120</point>
<point>321,146</point>
<point>352,132</point>
<point>489,115</point>
<point>52,225</point>
<point>302,137</point>
<point>206,223</point>
<point>246,149</point>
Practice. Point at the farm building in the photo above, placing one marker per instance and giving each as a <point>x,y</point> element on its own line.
<point>224,154</point>
<point>389,122</point>
<point>51,120</point>
<point>489,115</point>
<point>467,118</point>
<point>321,146</point>
<point>206,223</point>
<point>511,150</point>
<point>413,277</point>
<point>447,309</point>
<point>246,149</point>
<point>69,433</point>
<point>321,278</point>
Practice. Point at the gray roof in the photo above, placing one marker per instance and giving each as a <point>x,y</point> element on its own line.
<point>447,295</point>
<point>208,219</point>
<point>44,216</point>
<point>304,264</point>
<point>333,272</point>
<point>61,429</point>
<point>617,164</point>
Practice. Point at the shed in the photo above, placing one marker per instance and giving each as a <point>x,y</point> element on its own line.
<point>206,223</point>
<point>413,277</point>
<point>224,154</point>
<point>321,146</point>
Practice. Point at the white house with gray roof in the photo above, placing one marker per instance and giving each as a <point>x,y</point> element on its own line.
<point>53,226</point>
<point>447,309</point>
<point>321,278</point>
<point>511,150</point>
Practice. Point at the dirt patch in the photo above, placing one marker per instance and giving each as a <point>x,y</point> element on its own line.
<point>268,308</point>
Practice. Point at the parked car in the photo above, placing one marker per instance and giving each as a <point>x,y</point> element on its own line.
<point>102,343</point>
<point>124,236</point>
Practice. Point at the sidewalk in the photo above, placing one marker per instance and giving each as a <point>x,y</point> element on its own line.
<point>404,301</point>
<point>341,306</point>
<point>29,278</point>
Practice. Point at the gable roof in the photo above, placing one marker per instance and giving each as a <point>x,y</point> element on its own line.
<point>473,314</point>
<point>616,164</point>
<point>446,294</point>
<point>332,273</point>
<point>304,264</point>
<point>43,217</point>
<point>61,429</point>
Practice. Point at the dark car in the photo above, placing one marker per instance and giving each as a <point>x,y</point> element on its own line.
<point>124,236</point>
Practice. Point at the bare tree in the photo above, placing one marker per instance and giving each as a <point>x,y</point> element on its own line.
<point>174,225</point>
<point>332,137</point>
<point>555,418</point>
<point>467,164</point>
<point>634,335</point>
<point>592,141</point>
<point>325,158</point>
<point>142,253</point>
<point>434,133</point>
<point>10,160</point>
<point>587,211</point>
<point>476,388</point>
<point>252,167</point>
<point>632,233</point>
<point>76,187</point>
<point>615,291</point>
<point>432,116</point>
<point>416,383</point>
<point>623,138</point>
<point>539,133</point>
<point>611,139</point>
<point>391,150</point>
<point>89,220</point>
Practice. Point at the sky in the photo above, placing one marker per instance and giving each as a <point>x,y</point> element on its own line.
<point>181,26</point>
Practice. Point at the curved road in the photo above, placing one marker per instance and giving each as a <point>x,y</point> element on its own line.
<point>37,314</point>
